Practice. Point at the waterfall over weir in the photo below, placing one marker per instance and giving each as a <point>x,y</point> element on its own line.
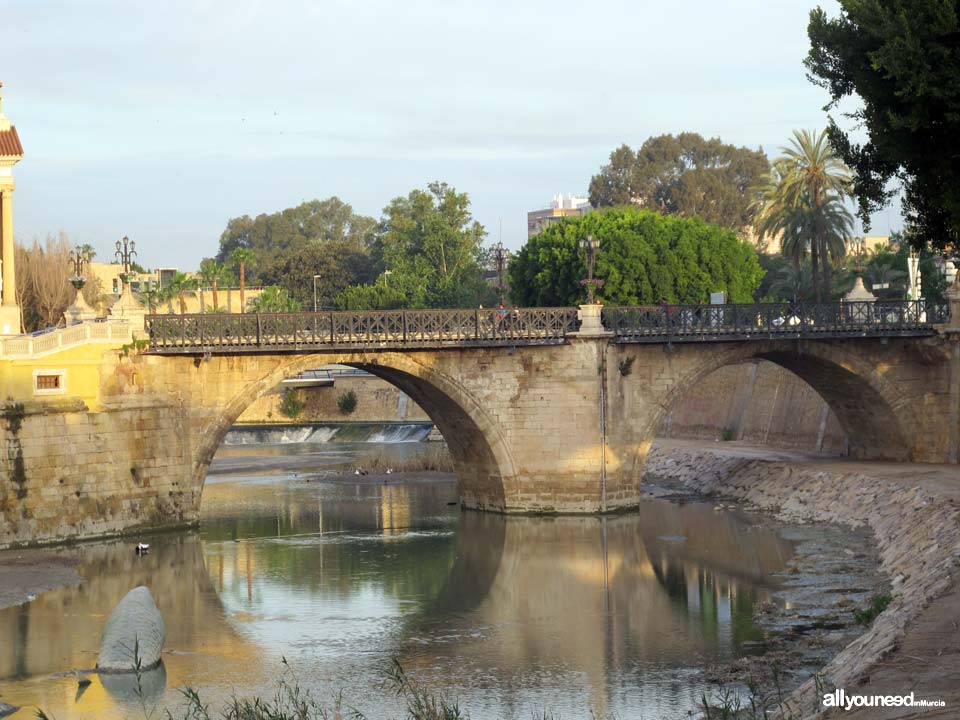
<point>322,433</point>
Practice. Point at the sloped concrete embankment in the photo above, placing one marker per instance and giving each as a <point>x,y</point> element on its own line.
<point>917,531</point>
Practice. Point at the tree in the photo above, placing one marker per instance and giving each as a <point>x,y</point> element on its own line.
<point>683,175</point>
<point>901,58</point>
<point>179,287</point>
<point>644,258</point>
<point>240,256</point>
<point>338,265</point>
<point>804,200</point>
<point>274,299</point>
<point>314,222</point>
<point>211,272</point>
<point>792,283</point>
<point>431,247</point>
<point>43,283</point>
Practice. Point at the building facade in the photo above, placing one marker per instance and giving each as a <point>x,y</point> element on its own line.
<point>560,207</point>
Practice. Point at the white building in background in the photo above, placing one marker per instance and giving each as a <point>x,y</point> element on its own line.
<point>559,208</point>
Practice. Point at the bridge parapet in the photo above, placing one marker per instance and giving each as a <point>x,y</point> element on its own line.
<point>769,321</point>
<point>403,329</point>
<point>428,329</point>
<point>55,340</point>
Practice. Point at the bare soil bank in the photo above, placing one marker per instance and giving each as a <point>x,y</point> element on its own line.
<point>913,512</point>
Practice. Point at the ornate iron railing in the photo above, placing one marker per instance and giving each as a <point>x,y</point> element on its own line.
<point>691,323</point>
<point>413,329</point>
<point>406,329</point>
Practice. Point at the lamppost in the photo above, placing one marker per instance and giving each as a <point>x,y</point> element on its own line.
<point>315,278</point>
<point>126,251</point>
<point>500,261</point>
<point>386,277</point>
<point>859,244</point>
<point>79,310</point>
<point>590,247</point>
<point>78,258</point>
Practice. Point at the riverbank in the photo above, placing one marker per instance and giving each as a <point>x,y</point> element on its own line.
<point>912,513</point>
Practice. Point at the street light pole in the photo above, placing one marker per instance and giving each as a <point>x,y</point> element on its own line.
<point>500,257</point>
<point>590,247</point>
<point>315,291</point>
<point>126,251</point>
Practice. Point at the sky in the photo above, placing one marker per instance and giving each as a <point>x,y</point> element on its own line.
<point>161,121</point>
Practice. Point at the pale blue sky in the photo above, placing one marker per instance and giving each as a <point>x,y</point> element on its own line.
<point>162,120</point>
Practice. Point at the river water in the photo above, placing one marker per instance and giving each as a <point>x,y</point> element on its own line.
<point>340,574</point>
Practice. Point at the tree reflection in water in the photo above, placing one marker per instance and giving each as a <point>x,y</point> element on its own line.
<point>510,614</point>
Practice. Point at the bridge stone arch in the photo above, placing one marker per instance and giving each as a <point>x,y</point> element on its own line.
<point>887,395</point>
<point>482,458</point>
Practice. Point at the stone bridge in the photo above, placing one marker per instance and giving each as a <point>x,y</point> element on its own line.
<point>541,413</point>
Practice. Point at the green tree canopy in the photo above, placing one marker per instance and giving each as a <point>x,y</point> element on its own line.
<point>273,299</point>
<point>901,58</point>
<point>644,258</point>
<point>290,231</point>
<point>338,264</point>
<point>428,249</point>
<point>683,175</point>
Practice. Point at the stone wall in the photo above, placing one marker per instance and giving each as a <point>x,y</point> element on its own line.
<point>68,473</point>
<point>917,531</point>
<point>377,401</point>
<point>757,402</point>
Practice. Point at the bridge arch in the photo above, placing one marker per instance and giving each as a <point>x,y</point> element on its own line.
<point>483,462</point>
<point>878,419</point>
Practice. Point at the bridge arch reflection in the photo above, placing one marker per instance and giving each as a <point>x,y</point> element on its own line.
<point>483,462</point>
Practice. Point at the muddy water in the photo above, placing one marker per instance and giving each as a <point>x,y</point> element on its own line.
<point>342,574</point>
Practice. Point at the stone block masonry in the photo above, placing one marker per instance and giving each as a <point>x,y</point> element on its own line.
<point>68,473</point>
<point>542,429</point>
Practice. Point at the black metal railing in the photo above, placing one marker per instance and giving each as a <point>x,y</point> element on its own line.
<point>413,329</point>
<point>691,323</point>
<point>410,329</point>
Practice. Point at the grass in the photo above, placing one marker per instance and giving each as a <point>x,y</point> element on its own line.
<point>878,603</point>
<point>433,457</point>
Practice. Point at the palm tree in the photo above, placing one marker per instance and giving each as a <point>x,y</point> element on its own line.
<point>792,283</point>
<point>154,296</point>
<point>806,192</point>
<point>179,286</point>
<point>274,299</point>
<point>881,270</point>
<point>210,273</point>
<point>241,256</point>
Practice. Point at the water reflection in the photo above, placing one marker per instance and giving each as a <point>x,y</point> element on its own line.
<point>512,615</point>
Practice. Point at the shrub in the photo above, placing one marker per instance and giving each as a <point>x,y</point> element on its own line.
<point>292,405</point>
<point>347,402</point>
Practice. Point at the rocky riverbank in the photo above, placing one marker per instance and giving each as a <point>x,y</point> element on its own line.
<point>916,530</point>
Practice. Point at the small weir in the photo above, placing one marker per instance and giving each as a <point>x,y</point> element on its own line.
<point>328,432</point>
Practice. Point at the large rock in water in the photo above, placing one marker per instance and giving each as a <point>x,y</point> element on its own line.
<point>134,623</point>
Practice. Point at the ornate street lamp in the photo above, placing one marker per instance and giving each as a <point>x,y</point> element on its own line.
<point>590,246</point>
<point>78,258</point>
<point>500,262</point>
<point>126,251</point>
<point>859,244</point>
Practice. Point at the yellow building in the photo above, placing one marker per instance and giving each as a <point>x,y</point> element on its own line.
<point>196,301</point>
